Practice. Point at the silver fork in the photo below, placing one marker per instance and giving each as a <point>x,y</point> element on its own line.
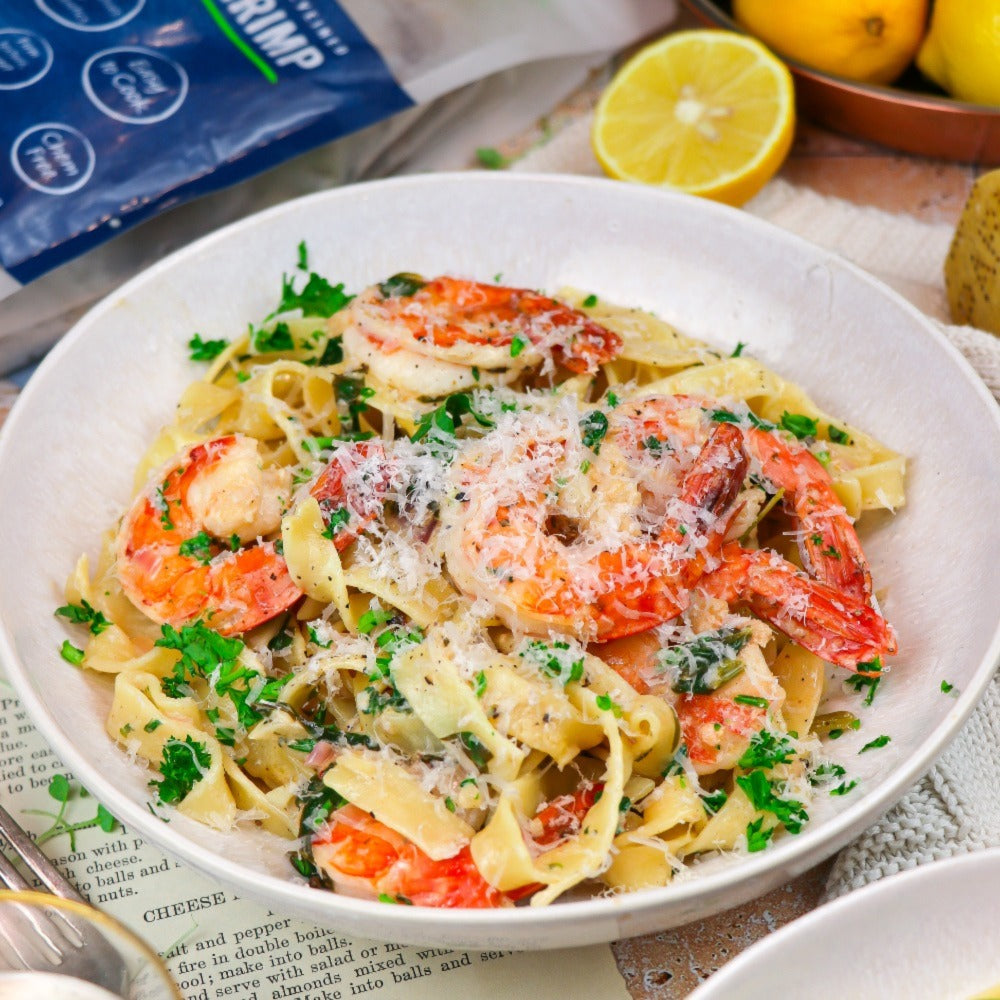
<point>52,940</point>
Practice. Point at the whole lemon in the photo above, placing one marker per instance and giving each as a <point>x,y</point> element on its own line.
<point>962,49</point>
<point>869,40</point>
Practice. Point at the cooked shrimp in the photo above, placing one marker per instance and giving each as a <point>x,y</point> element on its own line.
<point>835,626</point>
<point>186,546</point>
<point>436,337</point>
<point>347,506</point>
<point>507,542</point>
<point>362,856</point>
<point>827,540</point>
<point>716,728</point>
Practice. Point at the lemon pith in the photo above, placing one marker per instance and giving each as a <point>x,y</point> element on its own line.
<point>707,112</point>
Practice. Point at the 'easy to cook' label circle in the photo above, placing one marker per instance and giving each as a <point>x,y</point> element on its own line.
<point>24,58</point>
<point>91,15</point>
<point>135,85</point>
<point>53,158</point>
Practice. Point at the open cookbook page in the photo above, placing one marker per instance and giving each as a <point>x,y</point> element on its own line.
<point>219,945</point>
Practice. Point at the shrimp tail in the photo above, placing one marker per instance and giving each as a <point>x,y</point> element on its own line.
<point>835,626</point>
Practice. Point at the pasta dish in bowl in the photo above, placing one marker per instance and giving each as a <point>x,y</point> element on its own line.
<point>481,591</point>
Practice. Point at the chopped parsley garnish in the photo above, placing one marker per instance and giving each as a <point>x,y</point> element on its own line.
<point>197,547</point>
<point>184,764</point>
<point>337,522</point>
<point>279,338</point>
<point>606,704</point>
<point>557,659</point>
<point>401,285</point>
<point>876,744</point>
<point>860,682</point>
<point>491,158</point>
<point>757,838</point>
<point>70,653</point>
<point>751,418</point>
<point>318,801</point>
<point>391,642</point>
<point>302,865</point>
<point>373,617</point>
<point>215,658</point>
<point>317,298</point>
<point>517,345</point>
<point>947,687</point>
<point>374,700</point>
<point>760,790</point>
<point>738,349</point>
<point>843,788</point>
<point>480,684</point>
<point>303,746</point>
<point>303,264</point>
<point>449,804</point>
<point>767,749</point>
<point>823,774</point>
<point>705,663</point>
<point>655,446</point>
<point>279,641</point>
<point>676,764</point>
<point>837,436</point>
<point>799,424</point>
<point>590,301</point>
<point>447,418</point>
<point>333,352</point>
<point>714,801</point>
<point>206,350</point>
<point>613,399</point>
<point>593,427</point>
<point>162,505</point>
<point>479,754</point>
<point>751,700</point>
<point>316,640</point>
<point>152,725</point>
<point>725,417</point>
<point>85,614</point>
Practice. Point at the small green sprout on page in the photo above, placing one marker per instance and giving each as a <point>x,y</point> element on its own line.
<point>65,792</point>
<point>491,158</point>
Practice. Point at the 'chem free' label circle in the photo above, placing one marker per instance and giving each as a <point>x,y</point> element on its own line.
<point>24,58</point>
<point>135,85</point>
<point>53,158</point>
<point>90,15</point>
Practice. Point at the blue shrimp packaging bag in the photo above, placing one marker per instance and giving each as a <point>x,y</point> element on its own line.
<point>113,112</point>
<point>137,105</point>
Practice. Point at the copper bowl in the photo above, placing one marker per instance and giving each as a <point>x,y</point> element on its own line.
<point>927,123</point>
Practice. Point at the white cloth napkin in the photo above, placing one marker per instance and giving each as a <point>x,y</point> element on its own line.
<point>955,808</point>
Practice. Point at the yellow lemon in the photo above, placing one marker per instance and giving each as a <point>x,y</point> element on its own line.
<point>707,112</point>
<point>962,49</point>
<point>869,40</point>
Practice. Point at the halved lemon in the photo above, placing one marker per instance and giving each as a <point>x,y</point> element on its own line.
<point>707,112</point>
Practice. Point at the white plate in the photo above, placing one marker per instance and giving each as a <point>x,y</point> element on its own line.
<point>927,934</point>
<point>71,444</point>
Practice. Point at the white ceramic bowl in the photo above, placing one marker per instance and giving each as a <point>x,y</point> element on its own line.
<point>69,448</point>
<point>927,934</point>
